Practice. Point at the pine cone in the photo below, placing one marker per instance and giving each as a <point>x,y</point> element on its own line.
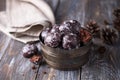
<point>93,27</point>
<point>109,35</point>
<point>116,21</point>
<point>116,13</point>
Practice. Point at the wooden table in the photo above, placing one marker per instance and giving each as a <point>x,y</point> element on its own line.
<point>100,67</point>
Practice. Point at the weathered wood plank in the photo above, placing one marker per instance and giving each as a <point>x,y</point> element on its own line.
<point>68,75</point>
<point>54,4</point>
<point>3,40</point>
<point>2,5</point>
<point>47,73</point>
<point>12,65</point>
<point>43,72</point>
<point>72,9</point>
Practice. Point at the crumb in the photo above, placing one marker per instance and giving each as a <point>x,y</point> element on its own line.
<point>33,67</point>
<point>44,72</point>
<point>85,35</point>
<point>36,59</point>
<point>102,49</point>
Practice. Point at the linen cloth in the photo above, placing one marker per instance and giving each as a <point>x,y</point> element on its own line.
<point>24,19</point>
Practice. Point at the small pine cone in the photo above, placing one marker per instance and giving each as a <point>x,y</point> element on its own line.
<point>93,27</point>
<point>116,23</point>
<point>109,35</point>
<point>116,13</point>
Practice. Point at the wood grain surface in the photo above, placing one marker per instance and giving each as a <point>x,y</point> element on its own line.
<point>100,66</point>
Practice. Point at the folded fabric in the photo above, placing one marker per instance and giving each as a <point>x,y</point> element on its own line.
<point>24,19</point>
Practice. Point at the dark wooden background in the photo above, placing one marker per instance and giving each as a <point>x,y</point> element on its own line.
<point>100,66</point>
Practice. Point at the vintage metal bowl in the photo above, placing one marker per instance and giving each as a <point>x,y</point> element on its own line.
<point>65,59</point>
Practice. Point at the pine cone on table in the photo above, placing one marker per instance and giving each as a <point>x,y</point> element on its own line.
<point>93,28</point>
<point>109,35</point>
<point>116,21</point>
<point>116,13</point>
